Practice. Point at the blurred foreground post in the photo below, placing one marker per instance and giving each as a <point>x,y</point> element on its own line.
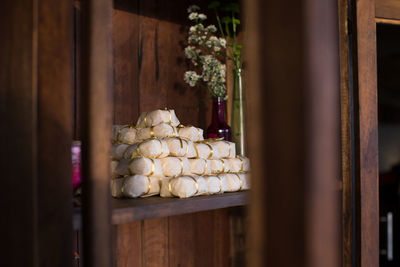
<point>293,99</point>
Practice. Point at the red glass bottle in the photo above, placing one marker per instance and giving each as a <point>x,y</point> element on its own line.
<point>219,127</point>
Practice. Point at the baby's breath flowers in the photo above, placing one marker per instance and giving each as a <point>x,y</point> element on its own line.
<point>204,51</point>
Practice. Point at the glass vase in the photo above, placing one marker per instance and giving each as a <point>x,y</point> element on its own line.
<point>219,127</point>
<point>238,116</point>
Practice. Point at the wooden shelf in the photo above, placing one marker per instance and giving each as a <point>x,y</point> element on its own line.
<point>128,210</point>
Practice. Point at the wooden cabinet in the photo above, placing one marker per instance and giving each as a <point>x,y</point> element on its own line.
<point>70,69</point>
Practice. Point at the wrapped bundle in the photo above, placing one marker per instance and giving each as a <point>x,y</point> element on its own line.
<point>192,152</point>
<point>225,149</point>
<point>118,151</point>
<point>206,151</point>
<point>122,168</point>
<point>183,187</point>
<point>151,148</point>
<point>173,167</point>
<point>190,132</point>
<point>155,117</point>
<point>160,130</point>
<point>214,184</point>
<point>245,178</point>
<point>113,166</point>
<point>116,186</point>
<point>219,166</point>
<point>200,166</point>
<point>125,134</point>
<point>231,182</point>
<point>140,186</point>
<point>178,147</point>
<point>239,164</point>
<point>146,167</point>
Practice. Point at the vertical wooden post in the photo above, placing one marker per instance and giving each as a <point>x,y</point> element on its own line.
<point>347,141</point>
<point>366,133</point>
<point>96,125</point>
<point>294,132</point>
<point>35,110</point>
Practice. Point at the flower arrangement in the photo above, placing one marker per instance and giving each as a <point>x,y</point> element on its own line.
<point>207,51</point>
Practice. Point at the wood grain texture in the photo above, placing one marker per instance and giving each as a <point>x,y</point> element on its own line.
<point>294,98</point>
<point>149,38</point>
<point>155,242</point>
<point>36,111</point>
<point>128,244</point>
<point>18,104</point>
<point>96,123</point>
<point>128,210</point>
<point>388,9</point>
<point>181,240</point>
<point>77,63</point>
<point>367,134</point>
<point>55,84</point>
<point>126,54</point>
<point>346,102</point>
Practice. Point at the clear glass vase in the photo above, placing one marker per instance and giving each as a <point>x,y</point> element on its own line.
<point>238,116</point>
<point>218,127</point>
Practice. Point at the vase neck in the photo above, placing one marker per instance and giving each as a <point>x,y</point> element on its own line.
<point>218,110</point>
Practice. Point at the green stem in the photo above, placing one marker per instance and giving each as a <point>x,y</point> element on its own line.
<point>219,23</point>
<point>234,32</point>
<point>228,33</point>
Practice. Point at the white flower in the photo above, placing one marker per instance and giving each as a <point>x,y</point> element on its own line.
<point>207,59</point>
<point>222,42</point>
<point>217,48</point>
<point>211,28</point>
<point>213,39</point>
<point>200,27</point>
<point>190,52</point>
<point>193,8</point>
<point>209,44</point>
<point>202,17</point>
<point>193,15</point>
<point>191,77</point>
<point>192,29</point>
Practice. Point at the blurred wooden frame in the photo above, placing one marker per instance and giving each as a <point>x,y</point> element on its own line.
<point>282,116</point>
<point>294,116</point>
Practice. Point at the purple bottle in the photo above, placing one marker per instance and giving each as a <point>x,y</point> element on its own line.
<point>219,127</point>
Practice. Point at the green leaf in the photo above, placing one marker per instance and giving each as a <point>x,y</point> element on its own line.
<point>214,4</point>
<point>239,47</point>
<point>236,21</point>
<point>237,53</point>
<point>226,20</point>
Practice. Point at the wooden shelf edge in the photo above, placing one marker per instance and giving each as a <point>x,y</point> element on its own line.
<point>387,21</point>
<point>129,210</point>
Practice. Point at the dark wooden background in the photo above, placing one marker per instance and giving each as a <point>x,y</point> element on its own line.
<point>148,67</point>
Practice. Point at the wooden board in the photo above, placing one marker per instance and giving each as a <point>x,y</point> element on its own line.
<point>387,9</point>
<point>149,38</point>
<point>347,144</point>
<point>293,94</point>
<point>366,135</point>
<point>129,210</point>
<point>35,110</point>
<point>96,124</point>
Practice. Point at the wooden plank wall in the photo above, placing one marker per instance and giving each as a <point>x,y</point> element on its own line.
<point>148,68</point>
<point>35,110</point>
<point>148,74</point>
<point>149,62</point>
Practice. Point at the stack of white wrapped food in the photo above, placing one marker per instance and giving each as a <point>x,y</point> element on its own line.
<point>159,156</point>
